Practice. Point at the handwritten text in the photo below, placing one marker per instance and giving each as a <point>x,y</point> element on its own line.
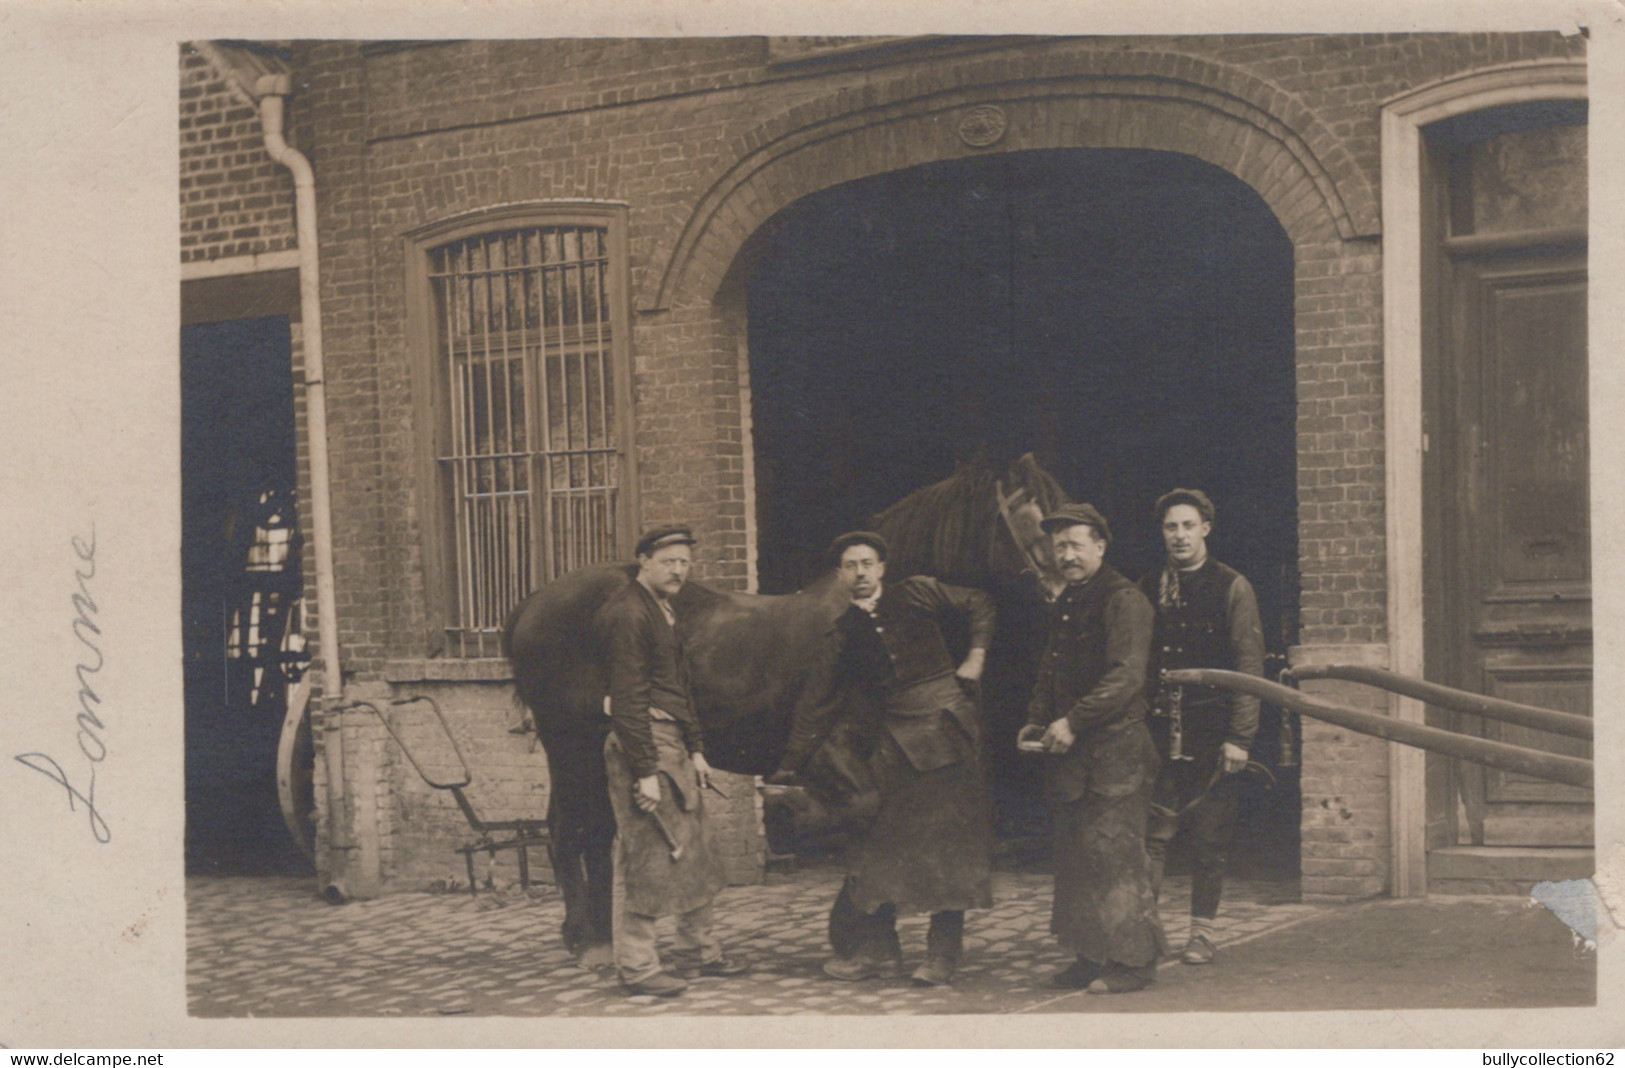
<point>91,729</point>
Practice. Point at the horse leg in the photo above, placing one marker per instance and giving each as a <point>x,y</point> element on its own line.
<point>564,851</point>
<point>575,761</point>
<point>567,828</point>
<point>840,788</point>
<point>585,833</point>
<point>598,843</point>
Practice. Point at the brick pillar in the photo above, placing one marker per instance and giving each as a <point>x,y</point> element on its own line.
<point>736,828</point>
<point>1344,781</point>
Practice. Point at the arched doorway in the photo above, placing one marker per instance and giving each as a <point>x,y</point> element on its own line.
<point>1126,315</point>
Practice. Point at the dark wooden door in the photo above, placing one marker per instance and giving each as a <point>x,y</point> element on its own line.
<point>1518,527</point>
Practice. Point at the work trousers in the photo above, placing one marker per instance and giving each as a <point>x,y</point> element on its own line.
<point>636,955</point>
<point>1210,822</point>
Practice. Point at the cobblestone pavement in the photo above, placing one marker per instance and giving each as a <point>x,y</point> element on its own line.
<point>272,947</point>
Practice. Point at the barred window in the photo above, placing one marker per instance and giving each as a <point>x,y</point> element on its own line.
<point>530,375</point>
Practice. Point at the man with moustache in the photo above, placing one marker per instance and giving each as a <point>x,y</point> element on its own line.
<point>1207,617</point>
<point>929,846</point>
<point>1087,715</point>
<point>655,759</point>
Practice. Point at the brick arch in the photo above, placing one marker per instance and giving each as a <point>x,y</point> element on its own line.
<point>1143,100</point>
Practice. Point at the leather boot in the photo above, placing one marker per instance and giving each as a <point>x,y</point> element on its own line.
<point>1077,975</point>
<point>943,943</point>
<point>862,966</point>
<point>660,985</point>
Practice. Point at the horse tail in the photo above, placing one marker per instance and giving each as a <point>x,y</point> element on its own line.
<point>508,627</point>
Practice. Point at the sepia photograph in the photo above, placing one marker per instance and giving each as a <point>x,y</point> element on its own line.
<point>724,525</point>
<point>959,524</point>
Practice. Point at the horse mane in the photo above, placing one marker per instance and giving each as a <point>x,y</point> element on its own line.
<point>1025,473</point>
<point>944,529</point>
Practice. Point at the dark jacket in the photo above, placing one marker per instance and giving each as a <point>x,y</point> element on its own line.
<point>1093,673</point>
<point>898,658</point>
<point>1207,618</point>
<point>908,623</point>
<point>646,670</point>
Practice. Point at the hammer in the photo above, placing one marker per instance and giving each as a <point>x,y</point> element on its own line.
<point>665,832</point>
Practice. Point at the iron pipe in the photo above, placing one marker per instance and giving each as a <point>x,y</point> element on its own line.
<point>1533,716</point>
<point>1574,771</point>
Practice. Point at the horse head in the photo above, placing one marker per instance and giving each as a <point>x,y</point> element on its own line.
<point>1025,495</point>
<point>977,527</point>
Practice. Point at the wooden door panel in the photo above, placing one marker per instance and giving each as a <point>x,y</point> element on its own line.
<point>1566,689</point>
<point>1520,512</point>
<point>1535,435</point>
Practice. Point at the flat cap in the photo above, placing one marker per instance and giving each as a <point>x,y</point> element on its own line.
<point>660,537</point>
<point>1193,497</point>
<point>857,537</point>
<point>1070,515</point>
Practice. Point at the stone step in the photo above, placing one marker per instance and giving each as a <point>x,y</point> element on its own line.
<point>1503,869</point>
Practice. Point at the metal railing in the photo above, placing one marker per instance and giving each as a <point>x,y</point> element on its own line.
<point>1575,771</point>
<point>1540,719</point>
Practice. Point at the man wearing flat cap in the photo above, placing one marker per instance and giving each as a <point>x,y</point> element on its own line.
<point>665,864</point>
<point>929,846</point>
<point>1207,617</point>
<point>1087,715</point>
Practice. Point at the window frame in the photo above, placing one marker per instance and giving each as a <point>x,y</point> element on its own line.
<point>431,407</point>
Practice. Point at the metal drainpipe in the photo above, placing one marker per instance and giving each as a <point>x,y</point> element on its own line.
<point>271,91</point>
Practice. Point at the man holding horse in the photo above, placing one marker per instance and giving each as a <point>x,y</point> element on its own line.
<point>655,758</point>
<point>1087,714</point>
<point>929,845</point>
<point>1207,617</point>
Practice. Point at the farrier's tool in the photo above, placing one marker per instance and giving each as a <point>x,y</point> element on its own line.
<point>666,833</point>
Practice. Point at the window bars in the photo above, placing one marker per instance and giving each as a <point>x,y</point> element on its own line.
<point>532,464</point>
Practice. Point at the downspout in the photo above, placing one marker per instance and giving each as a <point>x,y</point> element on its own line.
<point>271,90</point>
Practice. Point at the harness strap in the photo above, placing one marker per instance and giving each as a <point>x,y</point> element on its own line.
<point>1035,565</point>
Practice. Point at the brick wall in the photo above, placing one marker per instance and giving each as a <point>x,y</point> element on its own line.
<point>1341,534</point>
<point>704,140</point>
<point>235,199</point>
<point>402,137</point>
<point>1344,776</point>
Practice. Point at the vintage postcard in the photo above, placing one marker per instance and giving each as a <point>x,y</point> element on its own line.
<point>669,525</point>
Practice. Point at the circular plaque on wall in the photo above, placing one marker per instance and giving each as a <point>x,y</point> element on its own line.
<point>983,125</point>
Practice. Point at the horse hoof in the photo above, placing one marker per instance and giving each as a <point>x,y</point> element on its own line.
<point>597,956</point>
<point>794,798</point>
<point>806,812</point>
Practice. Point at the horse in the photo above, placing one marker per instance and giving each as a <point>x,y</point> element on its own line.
<point>758,664</point>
